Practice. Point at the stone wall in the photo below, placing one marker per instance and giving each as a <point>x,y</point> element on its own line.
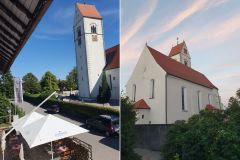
<point>150,136</point>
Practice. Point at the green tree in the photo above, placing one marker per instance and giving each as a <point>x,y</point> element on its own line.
<point>128,119</point>
<point>238,93</point>
<point>104,94</point>
<point>5,105</point>
<point>49,82</point>
<point>232,101</point>
<point>6,84</point>
<point>71,79</point>
<point>31,84</point>
<point>61,85</point>
<point>211,135</point>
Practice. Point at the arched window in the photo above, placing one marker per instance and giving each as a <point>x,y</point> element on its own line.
<point>199,100</point>
<point>184,98</point>
<point>151,89</point>
<point>210,98</point>
<point>134,92</point>
<point>93,29</point>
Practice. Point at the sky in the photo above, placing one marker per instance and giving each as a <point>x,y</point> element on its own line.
<point>51,46</point>
<point>210,28</point>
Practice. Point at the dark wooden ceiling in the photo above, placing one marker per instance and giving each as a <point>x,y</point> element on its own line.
<point>18,19</point>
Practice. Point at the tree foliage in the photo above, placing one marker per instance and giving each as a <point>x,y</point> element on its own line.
<point>31,84</point>
<point>128,118</point>
<point>104,94</point>
<point>212,135</point>
<point>49,82</point>
<point>62,85</point>
<point>71,80</point>
<point>5,105</point>
<point>6,85</point>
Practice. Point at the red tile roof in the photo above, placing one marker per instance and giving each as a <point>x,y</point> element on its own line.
<point>176,49</point>
<point>87,10</point>
<point>112,57</point>
<point>141,104</point>
<point>174,68</point>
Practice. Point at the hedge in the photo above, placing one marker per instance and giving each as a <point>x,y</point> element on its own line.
<point>75,109</point>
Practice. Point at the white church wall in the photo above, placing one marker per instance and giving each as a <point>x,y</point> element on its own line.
<point>174,98</point>
<point>114,75</point>
<point>145,70</point>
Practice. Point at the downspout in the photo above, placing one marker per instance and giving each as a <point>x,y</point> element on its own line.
<point>166,97</point>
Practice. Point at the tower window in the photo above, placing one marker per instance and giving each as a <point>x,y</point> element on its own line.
<point>79,41</point>
<point>79,31</point>
<point>185,63</point>
<point>93,29</point>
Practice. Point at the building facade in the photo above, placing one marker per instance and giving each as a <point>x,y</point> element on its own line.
<point>166,88</point>
<point>91,58</point>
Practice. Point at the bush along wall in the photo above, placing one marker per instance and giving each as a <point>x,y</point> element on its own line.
<point>75,109</point>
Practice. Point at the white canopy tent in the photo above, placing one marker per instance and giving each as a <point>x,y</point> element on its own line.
<point>48,129</point>
<point>26,120</point>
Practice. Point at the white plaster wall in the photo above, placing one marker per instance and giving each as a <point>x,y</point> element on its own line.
<point>174,98</point>
<point>81,57</point>
<point>146,119</point>
<point>145,70</point>
<point>115,83</point>
<point>176,58</point>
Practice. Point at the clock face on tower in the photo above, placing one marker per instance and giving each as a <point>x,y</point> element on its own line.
<point>94,38</point>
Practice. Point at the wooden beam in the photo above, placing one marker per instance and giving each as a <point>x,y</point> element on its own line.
<point>6,53</point>
<point>10,35</point>
<point>6,39</point>
<point>22,8</point>
<point>10,26</point>
<point>6,45</point>
<point>11,15</point>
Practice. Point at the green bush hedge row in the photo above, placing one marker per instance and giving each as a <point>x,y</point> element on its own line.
<point>75,109</point>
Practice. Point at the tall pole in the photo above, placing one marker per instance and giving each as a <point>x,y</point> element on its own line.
<point>52,150</point>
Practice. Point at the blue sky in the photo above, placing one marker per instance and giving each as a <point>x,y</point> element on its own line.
<point>51,46</point>
<point>210,28</point>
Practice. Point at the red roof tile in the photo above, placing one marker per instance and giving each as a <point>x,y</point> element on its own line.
<point>87,10</point>
<point>112,57</point>
<point>176,49</point>
<point>179,70</point>
<point>141,104</point>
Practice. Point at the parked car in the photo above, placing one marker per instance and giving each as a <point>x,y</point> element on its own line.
<point>107,123</point>
<point>53,108</point>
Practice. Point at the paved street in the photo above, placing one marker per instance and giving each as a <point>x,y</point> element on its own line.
<point>104,148</point>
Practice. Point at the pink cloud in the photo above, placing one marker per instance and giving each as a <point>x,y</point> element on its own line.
<point>146,12</point>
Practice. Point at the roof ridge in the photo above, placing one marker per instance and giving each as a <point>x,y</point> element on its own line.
<point>178,69</point>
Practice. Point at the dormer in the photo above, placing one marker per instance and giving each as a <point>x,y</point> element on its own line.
<point>180,53</point>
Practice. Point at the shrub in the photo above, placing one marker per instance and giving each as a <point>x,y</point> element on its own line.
<point>211,135</point>
<point>76,109</point>
<point>128,119</point>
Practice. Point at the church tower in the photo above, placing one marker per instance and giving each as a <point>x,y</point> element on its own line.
<point>180,53</point>
<point>89,48</point>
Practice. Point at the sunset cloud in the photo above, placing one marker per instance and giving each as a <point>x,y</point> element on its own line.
<point>146,12</point>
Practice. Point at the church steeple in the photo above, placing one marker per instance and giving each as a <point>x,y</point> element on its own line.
<point>180,53</point>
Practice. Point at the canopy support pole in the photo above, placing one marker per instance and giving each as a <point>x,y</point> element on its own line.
<point>52,150</point>
<point>43,101</point>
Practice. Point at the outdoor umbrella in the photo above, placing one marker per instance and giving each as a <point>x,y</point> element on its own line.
<point>48,129</point>
<point>25,120</point>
